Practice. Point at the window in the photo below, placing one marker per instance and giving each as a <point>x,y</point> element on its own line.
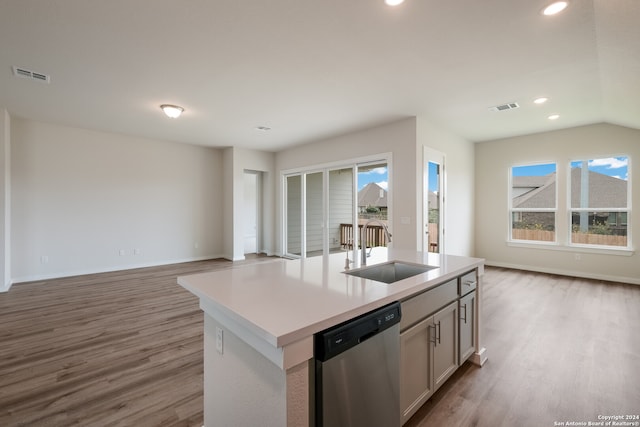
<point>533,203</point>
<point>599,194</point>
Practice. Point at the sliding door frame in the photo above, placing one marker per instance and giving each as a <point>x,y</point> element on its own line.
<point>326,168</point>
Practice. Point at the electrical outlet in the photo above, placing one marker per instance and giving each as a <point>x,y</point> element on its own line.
<point>578,257</point>
<point>219,338</point>
<point>44,259</point>
<point>121,252</point>
<point>136,251</point>
<point>196,245</point>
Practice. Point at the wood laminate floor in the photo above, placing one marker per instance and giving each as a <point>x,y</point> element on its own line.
<point>125,349</point>
<point>110,349</point>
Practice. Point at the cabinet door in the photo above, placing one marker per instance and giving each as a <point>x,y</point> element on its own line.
<point>416,367</point>
<point>467,330</point>
<point>445,355</point>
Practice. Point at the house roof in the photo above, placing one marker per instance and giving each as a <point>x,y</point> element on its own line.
<point>314,69</point>
<point>372,195</point>
<point>604,191</point>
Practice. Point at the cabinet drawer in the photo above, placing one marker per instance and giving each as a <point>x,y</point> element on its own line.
<point>468,282</point>
<point>420,306</point>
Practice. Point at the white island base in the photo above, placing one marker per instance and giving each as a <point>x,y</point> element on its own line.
<point>259,326</point>
<point>244,388</point>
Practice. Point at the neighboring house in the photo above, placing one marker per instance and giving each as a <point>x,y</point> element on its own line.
<point>539,192</point>
<point>373,196</point>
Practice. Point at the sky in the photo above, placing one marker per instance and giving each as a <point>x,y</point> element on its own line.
<point>381,177</point>
<point>378,175</point>
<point>617,167</point>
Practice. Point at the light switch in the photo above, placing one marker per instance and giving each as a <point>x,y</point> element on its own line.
<point>219,336</point>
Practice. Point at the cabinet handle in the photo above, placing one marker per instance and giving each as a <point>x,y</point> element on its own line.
<point>464,319</point>
<point>439,335</point>
<point>470,283</point>
<point>434,335</point>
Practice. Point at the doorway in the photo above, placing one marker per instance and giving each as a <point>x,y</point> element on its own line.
<point>251,211</point>
<point>433,201</point>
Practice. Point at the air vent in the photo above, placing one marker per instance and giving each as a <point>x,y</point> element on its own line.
<point>505,107</point>
<point>28,74</point>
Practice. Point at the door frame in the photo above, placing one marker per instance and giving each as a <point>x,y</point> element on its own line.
<point>258,209</point>
<point>433,156</point>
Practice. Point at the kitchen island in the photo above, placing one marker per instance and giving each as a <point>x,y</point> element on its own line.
<point>260,320</point>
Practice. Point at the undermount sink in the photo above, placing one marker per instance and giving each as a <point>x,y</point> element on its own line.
<point>390,272</point>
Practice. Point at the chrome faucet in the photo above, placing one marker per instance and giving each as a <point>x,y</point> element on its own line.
<point>363,238</point>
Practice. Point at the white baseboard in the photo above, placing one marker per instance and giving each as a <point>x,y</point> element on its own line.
<point>59,275</point>
<point>5,287</point>
<point>561,272</point>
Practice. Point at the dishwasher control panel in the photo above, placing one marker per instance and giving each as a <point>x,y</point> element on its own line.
<point>339,338</point>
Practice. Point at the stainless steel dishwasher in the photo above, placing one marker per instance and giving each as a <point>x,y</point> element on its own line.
<point>358,371</point>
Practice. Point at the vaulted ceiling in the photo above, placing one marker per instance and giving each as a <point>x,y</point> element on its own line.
<point>310,69</point>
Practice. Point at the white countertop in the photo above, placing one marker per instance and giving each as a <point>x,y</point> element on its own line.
<point>285,301</point>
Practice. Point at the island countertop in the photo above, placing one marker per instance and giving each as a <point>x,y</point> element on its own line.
<point>285,301</point>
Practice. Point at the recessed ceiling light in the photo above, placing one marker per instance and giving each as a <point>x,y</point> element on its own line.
<point>555,7</point>
<point>554,117</point>
<point>393,2</point>
<point>172,111</point>
<point>540,100</point>
<point>263,128</point>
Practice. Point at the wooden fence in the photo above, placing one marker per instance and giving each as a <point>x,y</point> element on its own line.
<point>580,238</point>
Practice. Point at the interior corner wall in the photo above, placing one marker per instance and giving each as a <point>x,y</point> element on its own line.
<point>87,201</point>
<point>493,162</point>
<point>398,138</point>
<point>459,216</point>
<point>5,200</point>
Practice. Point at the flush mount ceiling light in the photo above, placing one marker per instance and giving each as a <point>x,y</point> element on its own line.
<point>540,100</point>
<point>555,7</point>
<point>554,117</point>
<point>172,111</point>
<point>393,2</point>
<point>263,128</point>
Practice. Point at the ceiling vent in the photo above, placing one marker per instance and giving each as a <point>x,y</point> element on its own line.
<point>28,74</point>
<point>505,107</point>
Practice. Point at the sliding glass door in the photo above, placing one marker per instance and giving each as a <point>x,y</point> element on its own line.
<point>322,206</point>
<point>293,229</point>
<point>313,214</point>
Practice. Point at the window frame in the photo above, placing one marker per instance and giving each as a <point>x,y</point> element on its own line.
<point>520,211</point>
<point>628,210</point>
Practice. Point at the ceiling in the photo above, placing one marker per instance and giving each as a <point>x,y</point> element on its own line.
<point>312,69</point>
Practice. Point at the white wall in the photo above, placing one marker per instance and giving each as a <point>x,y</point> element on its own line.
<point>405,139</point>
<point>5,200</point>
<point>80,196</point>
<point>493,160</point>
<point>398,138</point>
<point>459,216</point>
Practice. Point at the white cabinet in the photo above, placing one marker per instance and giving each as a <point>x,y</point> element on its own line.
<point>467,326</point>
<point>437,334</point>
<point>428,356</point>
<point>445,358</point>
<point>416,367</point>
